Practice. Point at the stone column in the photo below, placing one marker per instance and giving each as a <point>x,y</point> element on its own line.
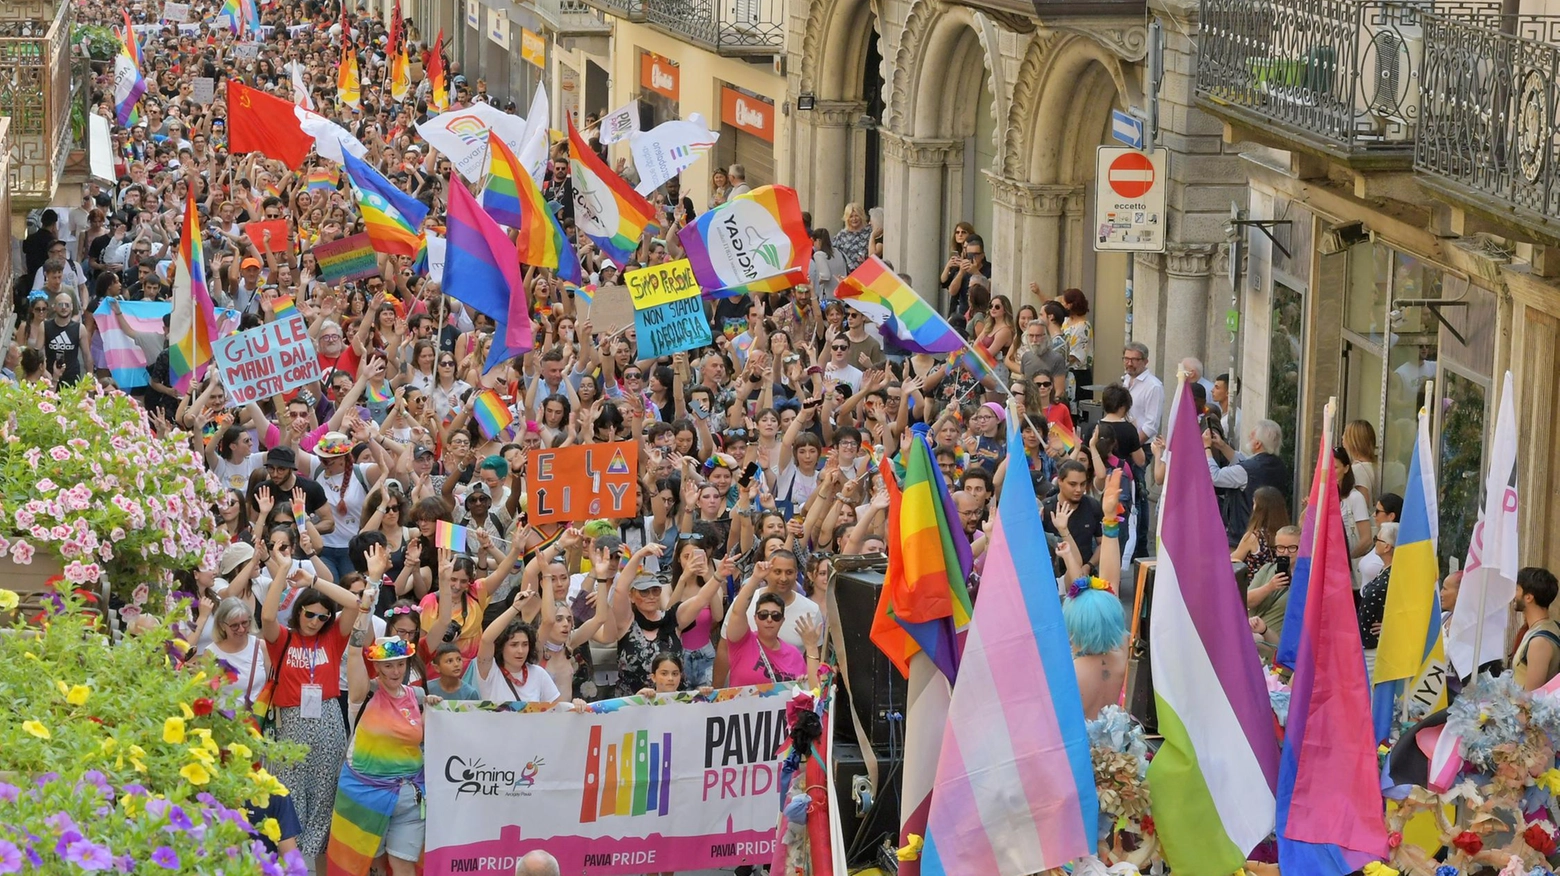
<point>1184,305</point>
<point>1026,244</point>
<point>1075,240</point>
<point>835,164</point>
<point>915,197</point>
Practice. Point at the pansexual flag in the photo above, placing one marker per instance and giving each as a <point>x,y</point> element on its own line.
<point>512,198</point>
<point>904,317</point>
<point>129,84</point>
<point>755,242</point>
<point>193,324</point>
<point>606,209</point>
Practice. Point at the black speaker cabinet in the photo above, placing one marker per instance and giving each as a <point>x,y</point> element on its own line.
<point>873,689</point>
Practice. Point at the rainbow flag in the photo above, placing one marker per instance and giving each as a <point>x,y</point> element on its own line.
<point>284,308</point>
<point>323,179</point>
<point>389,230</point>
<point>480,270</point>
<point>129,84</point>
<point>231,8</point>
<point>606,209</point>
<point>903,316</point>
<point>361,814</point>
<point>1066,435</point>
<point>376,394</point>
<point>450,535</point>
<point>192,326</point>
<point>978,362</point>
<point>493,416</point>
<point>1015,786</point>
<point>1411,648</point>
<point>512,198</point>
<point>737,249</point>
<point>1329,792</point>
<point>586,293</point>
<point>1216,776</point>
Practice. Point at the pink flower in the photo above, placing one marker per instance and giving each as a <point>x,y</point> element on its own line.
<point>116,534</point>
<point>32,456</point>
<point>105,550</point>
<point>60,533</point>
<point>47,486</point>
<point>60,454</point>
<point>140,594</point>
<point>75,573</point>
<point>92,571</point>
<point>45,408</point>
<point>22,552</point>
<point>78,443</point>
<point>5,545</point>
<point>25,519</point>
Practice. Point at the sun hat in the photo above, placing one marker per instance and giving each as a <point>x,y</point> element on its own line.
<point>389,648</point>
<point>333,444</point>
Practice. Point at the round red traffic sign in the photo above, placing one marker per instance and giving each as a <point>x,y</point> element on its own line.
<point>1131,175</point>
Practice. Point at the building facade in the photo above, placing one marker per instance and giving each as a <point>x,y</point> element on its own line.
<point>1404,157</point>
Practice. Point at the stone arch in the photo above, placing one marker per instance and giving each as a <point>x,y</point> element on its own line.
<point>923,66</point>
<point>1066,82</point>
<point>831,65</point>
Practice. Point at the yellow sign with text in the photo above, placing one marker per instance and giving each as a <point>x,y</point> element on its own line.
<point>661,284</point>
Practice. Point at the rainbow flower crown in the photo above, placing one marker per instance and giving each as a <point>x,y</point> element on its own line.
<point>1091,583</point>
<point>390,648</point>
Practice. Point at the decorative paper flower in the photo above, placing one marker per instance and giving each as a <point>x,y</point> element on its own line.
<point>1539,839</point>
<point>1376,868</point>
<point>37,729</point>
<point>173,731</point>
<point>1394,839</point>
<point>392,648</point>
<point>1093,583</point>
<point>1468,842</point>
<point>1447,870</point>
<point>195,774</point>
<point>911,851</point>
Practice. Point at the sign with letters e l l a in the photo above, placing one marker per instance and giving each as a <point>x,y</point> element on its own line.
<point>1129,199</point>
<point>660,75</point>
<point>572,484</point>
<point>753,115</point>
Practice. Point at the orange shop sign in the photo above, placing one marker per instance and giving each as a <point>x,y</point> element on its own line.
<point>533,48</point>
<point>659,74</point>
<point>755,115</point>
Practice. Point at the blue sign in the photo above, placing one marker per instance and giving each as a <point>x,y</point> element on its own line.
<point>671,327</point>
<point>1126,129</point>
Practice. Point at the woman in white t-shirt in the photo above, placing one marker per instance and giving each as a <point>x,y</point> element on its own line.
<point>238,648</point>
<point>507,668</point>
<point>1356,513</point>
<point>233,457</point>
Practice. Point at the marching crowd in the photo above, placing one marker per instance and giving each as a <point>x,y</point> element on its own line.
<point>760,455</point>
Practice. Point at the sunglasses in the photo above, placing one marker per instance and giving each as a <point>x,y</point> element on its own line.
<point>395,508</point>
<point>632,375</point>
<point>649,591</point>
<point>839,347</point>
<point>1039,385</point>
<point>316,615</point>
<point>769,615</point>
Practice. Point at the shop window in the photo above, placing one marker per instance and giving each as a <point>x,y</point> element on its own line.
<point>1460,448</point>
<point>1285,346</point>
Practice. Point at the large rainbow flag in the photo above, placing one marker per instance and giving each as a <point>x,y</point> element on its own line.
<point>129,84</point>
<point>389,230</point>
<point>511,197</point>
<point>1015,789</point>
<point>606,209</point>
<point>1215,779</point>
<point>755,242</point>
<point>192,326</point>
<point>903,316</point>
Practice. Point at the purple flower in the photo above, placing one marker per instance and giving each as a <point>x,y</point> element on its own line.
<point>295,865</point>
<point>66,838</point>
<point>9,793</point>
<point>89,856</point>
<point>60,821</point>
<point>206,798</point>
<point>124,863</point>
<point>232,852</point>
<point>165,858</point>
<point>10,857</point>
<point>179,818</point>
<point>33,857</point>
<point>134,790</point>
<point>46,778</point>
<point>156,808</point>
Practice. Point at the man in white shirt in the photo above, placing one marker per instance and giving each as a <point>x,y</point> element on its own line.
<point>1148,393</point>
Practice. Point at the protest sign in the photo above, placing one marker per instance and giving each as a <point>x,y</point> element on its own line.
<point>671,328</point>
<point>623,788</point>
<point>265,361</point>
<point>246,51</point>
<point>278,228</point>
<point>570,484</point>
<point>350,258</point>
<point>661,284</point>
<point>611,310</point>
<point>620,123</point>
<point>203,90</point>
<point>176,12</point>
<point>436,250</point>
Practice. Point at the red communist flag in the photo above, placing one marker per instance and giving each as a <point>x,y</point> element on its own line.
<point>258,122</point>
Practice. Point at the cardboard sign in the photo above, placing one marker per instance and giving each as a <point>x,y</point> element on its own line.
<point>671,328</point>
<point>574,484</point>
<point>246,51</point>
<point>611,310</point>
<point>203,90</point>
<point>351,258</point>
<point>255,231</point>
<point>661,284</point>
<point>266,361</point>
<point>176,12</point>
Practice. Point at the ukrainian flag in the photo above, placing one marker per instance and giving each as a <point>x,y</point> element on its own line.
<point>1411,654</point>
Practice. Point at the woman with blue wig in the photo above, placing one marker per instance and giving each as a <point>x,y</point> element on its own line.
<point>1096,622</point>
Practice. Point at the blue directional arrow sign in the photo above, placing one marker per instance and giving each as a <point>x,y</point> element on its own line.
<point>1126,129</point>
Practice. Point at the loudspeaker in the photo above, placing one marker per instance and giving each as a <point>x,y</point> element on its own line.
<point>1140,675</point>
<point>873,689</point>
<point>866,827</point>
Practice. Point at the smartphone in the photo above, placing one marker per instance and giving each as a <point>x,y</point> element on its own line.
<point>748,474</point>
<point>1282,564</point>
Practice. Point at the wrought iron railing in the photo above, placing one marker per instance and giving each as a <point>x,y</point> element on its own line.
<point>572,16</point>
<point>1343,74</point>
<point>633,10</point>
<point>1490,99</point>
<point>35,91</point>
<point>726,26</point>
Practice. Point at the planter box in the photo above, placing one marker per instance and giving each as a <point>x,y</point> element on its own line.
<point>30,582</point>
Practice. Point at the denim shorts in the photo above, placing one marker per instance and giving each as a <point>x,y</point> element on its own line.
<point>404,837</point>
<point>699,665</point>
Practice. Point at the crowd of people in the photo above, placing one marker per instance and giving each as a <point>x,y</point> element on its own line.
<point>761,455</point>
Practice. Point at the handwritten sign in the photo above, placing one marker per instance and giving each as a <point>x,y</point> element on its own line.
<point>176,12</point>
<point>246,51</point>
<point>573,484</point>
<point>661,284</point>
<point>611,309</point>
<point>255,231</point>
<point>671,328</point>
<point>350,258</point>
<point>203,90</point>
<point>266,361</point>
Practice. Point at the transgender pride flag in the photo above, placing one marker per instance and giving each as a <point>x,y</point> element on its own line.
<point>129,84</point>
<point>1015,786</point>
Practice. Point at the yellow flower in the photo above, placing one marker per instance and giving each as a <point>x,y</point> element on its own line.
<point>267,783</point>
<point>202,755</point>
<point>137,751</point>
<point>61,687</point>
<point>173,731</point>
<point>206,742</point>
<point>240,751</point>
<point>136,762</point>
<point>1549,780</point>
<point>37,729</point>
<point>188,712</point>
<point>131,803</point>
<point>107,744</point>
<point>9,601</point>
<point>195,774</point>
<point>77,696</point>
<point>200,677</point>
<point>271,830</point>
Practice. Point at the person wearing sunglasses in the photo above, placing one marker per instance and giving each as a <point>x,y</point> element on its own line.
<point>644,624</point>
<point>755,651</point>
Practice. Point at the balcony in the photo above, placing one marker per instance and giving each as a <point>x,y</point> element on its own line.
<point>36,87</point>
<point>572,18</point>
<point>1336,78</point>
<point>734,28</point>
<point>1489,138</point>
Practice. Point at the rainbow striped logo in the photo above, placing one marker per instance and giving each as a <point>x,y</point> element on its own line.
<point>631,777</point>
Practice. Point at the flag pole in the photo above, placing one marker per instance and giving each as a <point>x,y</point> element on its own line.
<point>995,376</point>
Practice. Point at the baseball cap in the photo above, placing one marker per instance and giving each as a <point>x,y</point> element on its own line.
<point>645,582</point>
<point>248,263</point>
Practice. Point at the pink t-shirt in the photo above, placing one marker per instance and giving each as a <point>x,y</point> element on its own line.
<point>747,667</point>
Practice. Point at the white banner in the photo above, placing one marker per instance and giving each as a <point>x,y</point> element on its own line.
<point>1490,577</point>
<point>462,135</point>
<point>620,123</point>
<point>176,12</point>
<point>626,788</point>
<point>436,246</point>
<point>100,152</point>
<point>669,149</point>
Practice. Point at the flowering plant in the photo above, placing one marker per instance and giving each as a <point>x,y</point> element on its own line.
<point>111,499</point>
<point>111,753</point>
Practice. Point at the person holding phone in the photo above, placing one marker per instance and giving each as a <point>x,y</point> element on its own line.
<point>1268,597</point>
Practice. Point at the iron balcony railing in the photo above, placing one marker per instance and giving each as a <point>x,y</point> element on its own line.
<point>728,27</point>
<point>36,89</point>
<point>631,10</point>
<point>1341,76</point>
<point>1489,132</point>
<point>572,17</point>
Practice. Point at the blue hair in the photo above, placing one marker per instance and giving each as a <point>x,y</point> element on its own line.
<point>1096,623</point>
